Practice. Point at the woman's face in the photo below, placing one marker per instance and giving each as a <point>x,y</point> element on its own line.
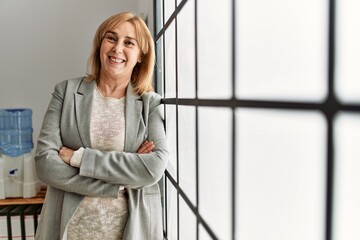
<point>119,52</point>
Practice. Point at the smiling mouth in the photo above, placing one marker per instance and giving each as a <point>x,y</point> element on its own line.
<point>116,60</point>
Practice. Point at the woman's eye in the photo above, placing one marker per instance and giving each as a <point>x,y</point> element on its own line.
<point>129,43</point>
<point>111,38</point>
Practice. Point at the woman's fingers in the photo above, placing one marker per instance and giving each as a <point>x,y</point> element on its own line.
<point>146,147</point>
<point>65,154</point>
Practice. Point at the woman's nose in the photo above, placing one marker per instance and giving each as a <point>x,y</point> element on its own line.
<point>118,48</point>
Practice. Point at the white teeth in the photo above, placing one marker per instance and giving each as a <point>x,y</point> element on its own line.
<point>117,60</point>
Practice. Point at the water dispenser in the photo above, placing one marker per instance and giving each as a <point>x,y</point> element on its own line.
<point>17,167</point>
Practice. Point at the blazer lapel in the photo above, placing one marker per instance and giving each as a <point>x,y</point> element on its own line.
<point>83,102</point>
<point>133,115</point>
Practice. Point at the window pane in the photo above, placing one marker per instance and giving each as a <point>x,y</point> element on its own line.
<point>186,51</point>
<point>171,138</point>
<point>187,151</point>
<point>214,48</point>
<point>282,49</point>
<point>281,172</point>
<point>188,221</point>
<point>347,177</point>
<point>169,6</point>
<point>172,212</point>
<point>203,234</point>
<point>159,12</point>
<point>159,71</point>
<point>169,59</point>
<point>215,169</point>
<point>348,50</point>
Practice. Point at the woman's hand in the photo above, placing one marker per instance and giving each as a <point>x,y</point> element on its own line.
<point>146,147</point>
<point>65,154</point>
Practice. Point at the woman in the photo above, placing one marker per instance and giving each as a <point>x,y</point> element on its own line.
<point>102,147</point>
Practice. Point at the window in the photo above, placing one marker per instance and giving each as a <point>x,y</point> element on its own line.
<point>262,113</point>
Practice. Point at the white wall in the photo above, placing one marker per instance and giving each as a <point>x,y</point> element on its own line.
<point>43,42</point>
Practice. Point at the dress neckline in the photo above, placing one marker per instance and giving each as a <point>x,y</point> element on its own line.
<point>107,98</point>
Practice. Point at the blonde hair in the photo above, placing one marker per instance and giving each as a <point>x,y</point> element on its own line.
<point>141,77</point>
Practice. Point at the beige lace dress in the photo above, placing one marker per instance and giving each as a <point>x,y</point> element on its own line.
<point>102,218</point>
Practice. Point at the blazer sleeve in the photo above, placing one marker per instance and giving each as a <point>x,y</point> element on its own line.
<point>50,167</point>
<point>129,169</point>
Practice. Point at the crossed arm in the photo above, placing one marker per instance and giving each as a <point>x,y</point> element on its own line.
<point>66,153</point>
<point>95,177</point>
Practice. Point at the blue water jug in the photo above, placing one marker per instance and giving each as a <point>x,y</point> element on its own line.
<point>15,131</point>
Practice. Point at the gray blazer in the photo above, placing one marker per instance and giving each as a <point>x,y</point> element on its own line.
<point>66,123</point>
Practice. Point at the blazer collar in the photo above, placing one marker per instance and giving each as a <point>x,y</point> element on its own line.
<point>133,115</point>
<point>83,103</point>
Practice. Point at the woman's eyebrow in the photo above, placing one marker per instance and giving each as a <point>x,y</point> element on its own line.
<point>111,33</point>
<point>127,37</point>
<point>131,38</point>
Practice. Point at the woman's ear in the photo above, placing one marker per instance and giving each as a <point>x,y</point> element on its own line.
<point>140,59</point>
